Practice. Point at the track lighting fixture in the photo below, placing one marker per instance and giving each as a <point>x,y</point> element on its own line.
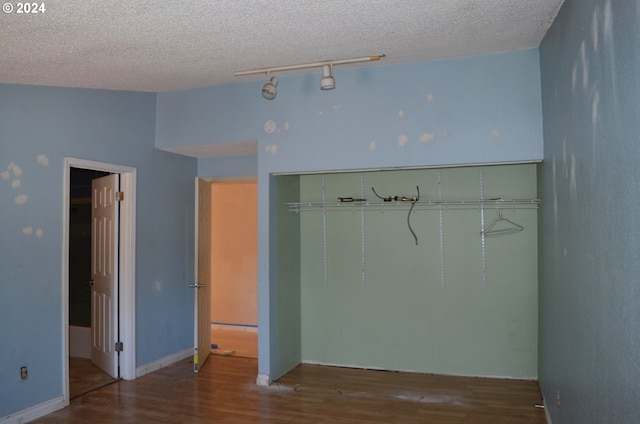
<point>269,88</point>
<point>327,82</point>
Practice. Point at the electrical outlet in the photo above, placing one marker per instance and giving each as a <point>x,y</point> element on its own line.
<point>558,398</point>
<point>24,373</point>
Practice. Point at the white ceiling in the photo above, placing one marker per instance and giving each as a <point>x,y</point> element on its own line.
<point>152,45</point>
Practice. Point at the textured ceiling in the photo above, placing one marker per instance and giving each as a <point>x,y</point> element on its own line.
<point>151,45</point>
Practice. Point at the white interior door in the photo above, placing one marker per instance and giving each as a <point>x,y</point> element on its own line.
<point>104,272</point>
<point>202,302</point>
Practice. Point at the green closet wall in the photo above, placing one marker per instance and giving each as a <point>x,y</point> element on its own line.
<point>401,316</point>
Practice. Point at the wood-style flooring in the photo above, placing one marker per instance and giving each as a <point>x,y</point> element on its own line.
<point>235,340</point>
<point>225,392</point>
<point>85,377</point>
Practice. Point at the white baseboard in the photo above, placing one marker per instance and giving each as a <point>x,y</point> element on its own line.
<point>163,362</point>
<point>263,380</point>
<point>231,327</point>
<point>34,412</point>
<point>546,410</point>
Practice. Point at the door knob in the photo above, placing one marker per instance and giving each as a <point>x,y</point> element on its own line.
<point>90,283</point>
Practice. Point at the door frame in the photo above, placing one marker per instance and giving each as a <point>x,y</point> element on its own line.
<point>127,264</point>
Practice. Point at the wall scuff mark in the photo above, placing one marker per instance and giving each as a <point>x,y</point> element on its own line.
<point>271,148</point>
<point>426,137</point>
<point>43,160</point>
<point>17,171</point>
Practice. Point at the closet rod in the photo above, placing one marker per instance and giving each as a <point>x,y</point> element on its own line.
<point>419,205</point>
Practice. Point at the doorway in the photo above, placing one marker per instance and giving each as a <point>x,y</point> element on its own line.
<point>234,279</point>
<point>84,374</point>
<point>77,340</point>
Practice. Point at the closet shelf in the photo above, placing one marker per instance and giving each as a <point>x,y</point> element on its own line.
<point>498,203</point>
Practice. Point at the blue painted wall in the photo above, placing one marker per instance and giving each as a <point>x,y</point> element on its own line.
<point>484,109</point>
<point>467,110</point>
<point>590,261</point>
<point>39,126</point>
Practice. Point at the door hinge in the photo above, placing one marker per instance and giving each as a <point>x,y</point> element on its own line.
<point>119,347</point>
<point>119,196</point>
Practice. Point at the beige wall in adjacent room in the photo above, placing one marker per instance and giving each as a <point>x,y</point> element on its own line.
<point>234,252</point>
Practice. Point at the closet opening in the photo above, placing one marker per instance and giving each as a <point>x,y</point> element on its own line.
<point>462,301</point>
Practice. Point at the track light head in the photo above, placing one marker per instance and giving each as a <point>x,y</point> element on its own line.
<point>269,88</point>
<point>327,82</point>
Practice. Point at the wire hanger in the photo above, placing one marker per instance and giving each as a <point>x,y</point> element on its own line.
<point>511,228</point>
